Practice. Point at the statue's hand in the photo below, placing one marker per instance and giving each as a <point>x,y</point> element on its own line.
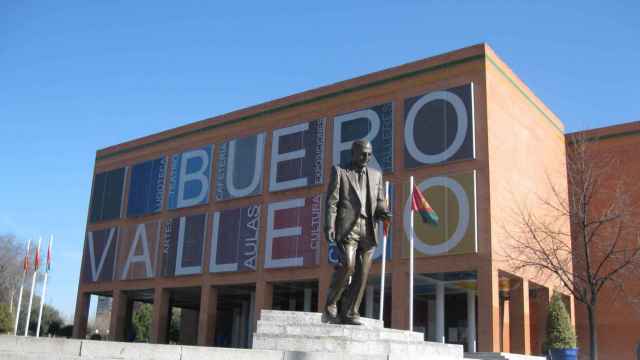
<point>383,215</point>
<point>330,235</point>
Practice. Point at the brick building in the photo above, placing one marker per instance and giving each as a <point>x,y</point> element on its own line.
<point>618,308</point>
<point>223,217</point>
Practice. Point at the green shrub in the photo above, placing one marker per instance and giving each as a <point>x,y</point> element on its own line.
<point>65,331</point>
<point>142,323</point>
<point>6,319</point>
<point>560,333</point>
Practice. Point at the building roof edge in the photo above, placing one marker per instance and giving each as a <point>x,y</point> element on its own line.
<point>631,128</point>
<point>522,87</point>
<point>453,58</point>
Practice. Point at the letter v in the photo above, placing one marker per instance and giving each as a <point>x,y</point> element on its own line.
<point>96,272</point>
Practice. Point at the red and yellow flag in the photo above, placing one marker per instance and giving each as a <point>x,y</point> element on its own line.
<point>36,259</point>
<point>25,262</point>
<point>385,226</point>
<point>420,204</point>
<point>386,223</point>
<point>48,267</point>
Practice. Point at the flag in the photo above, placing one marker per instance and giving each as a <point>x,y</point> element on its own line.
<point>385,226</point>
<point>420,204</point>
<point>25,263</point>
<point>48,257</point>
<point>386,223</point>
<point>36,259</point>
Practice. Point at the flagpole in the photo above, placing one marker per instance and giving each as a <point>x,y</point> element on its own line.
<point>33,285</point>
<point>384,254</point>
<point>44,286</point>
<point>24,274</point>
<point>411,256</point>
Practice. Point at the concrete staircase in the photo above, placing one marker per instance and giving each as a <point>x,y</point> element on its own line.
<point>280,336</point>
<point>303,331</point>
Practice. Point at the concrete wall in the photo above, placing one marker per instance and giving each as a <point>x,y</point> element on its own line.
<point>29,348</point>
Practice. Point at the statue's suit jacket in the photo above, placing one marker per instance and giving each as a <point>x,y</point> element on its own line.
<point>343,201</point>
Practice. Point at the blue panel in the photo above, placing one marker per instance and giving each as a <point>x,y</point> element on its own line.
<point>360,124</point>
<point>240,167</point>
<point>146,189</point>
<point>106,196</point>
<point>190,178</point>
<point>439,127</point>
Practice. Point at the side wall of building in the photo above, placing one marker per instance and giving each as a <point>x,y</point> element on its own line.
<point>618,312</point>
<point>526,159</point>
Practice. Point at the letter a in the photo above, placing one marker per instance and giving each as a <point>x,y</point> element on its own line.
<point>141,234</point>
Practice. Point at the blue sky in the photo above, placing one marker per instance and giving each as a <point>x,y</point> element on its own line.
<point>77,76</point>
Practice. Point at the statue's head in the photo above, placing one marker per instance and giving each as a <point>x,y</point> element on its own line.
<point>361,153</point>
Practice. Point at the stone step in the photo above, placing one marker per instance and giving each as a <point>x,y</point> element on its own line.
<point>501,356</point>
<point>304,332</point>
<point>484,356</point>
<point>333,330</point>
<point>351,346</point>
<point>298,317</point>
<point>510,356</point>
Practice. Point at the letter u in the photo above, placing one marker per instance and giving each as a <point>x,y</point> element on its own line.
<point>257,171</point>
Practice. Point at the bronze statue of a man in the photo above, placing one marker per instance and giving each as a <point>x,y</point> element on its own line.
<point>355,203</point>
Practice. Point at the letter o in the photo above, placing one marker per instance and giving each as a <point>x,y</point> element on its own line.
<point>463,216</point>
<point>461,114</point>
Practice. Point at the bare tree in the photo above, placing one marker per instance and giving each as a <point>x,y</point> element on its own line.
<point>11,255</point>
<point>599,248</point>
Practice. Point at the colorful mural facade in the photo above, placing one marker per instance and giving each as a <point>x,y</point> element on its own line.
<point>438,127</point>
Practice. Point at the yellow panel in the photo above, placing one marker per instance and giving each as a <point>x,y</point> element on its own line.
<point>453,199</point>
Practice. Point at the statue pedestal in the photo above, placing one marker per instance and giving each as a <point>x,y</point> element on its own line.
<point>305,332</point>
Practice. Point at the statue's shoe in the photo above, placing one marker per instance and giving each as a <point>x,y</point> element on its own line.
<point>330,315</point>
<point>351,321</point>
